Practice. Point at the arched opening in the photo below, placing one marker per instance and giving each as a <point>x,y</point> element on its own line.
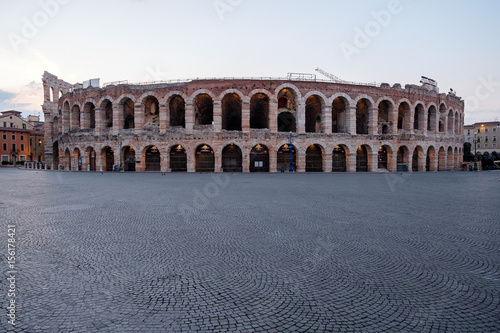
<point>383,157</point>
<point>205,159</point>
<point>77,160</point>
<point>67,159</point>
<point>403,117</point>
<point>339,106</point>
<point>430,159</point>
<point>259,111</point>
<point>451,123</point>
<point>442,118</point>
<point>314,159</point>
<point>283,160</point>
<point>55,155</point>
<point>450,159</point>
<point>384,112</point>
<point>313,114</point>
<point>362,116</point>
<point>361,159</point>
<point>458,128</point>
<point>177,108</point>
<point>431,119</point>
<point>52,96</point>
<point>287,99</point>
<point>89,110</point>
<point>339,159</point>
<point>109,158</point>
<point>204,110</point>
<point>75,117</point>
<point>419,120</point>
<point>128,113</point>
<point>231,112</point>
<point>402,158</point>
<point>178,159</point>
<point>128,159</point>
<point>441,159</point>
<point>91,158</point>
<point>151,111</point>
<point>286,122</point>
<point>107,108</point>
<point>259,159</point>
<point>232,159</point>
<point>153,159</point>
<point>415,160</point>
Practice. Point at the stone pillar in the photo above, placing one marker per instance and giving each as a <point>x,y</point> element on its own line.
<point>84,119</point>
<point>245,161</point>
<point>65,121</point>
<point>100,119</point>
<point>372,121</point>
<point>423,128</point>
<point>138,118</point>
<point>189,114</point>
<point>99,161</point>
<point>410,162</point>
<point>300,161</point>
<point>327,162</point>
<point>217,127</point>
<point>164,117</point>
<point>164,163</point>
<point>273,160</point>
<point>393,118</point>
<point>301,118</point>
<point>218,162</point>
<point>273,116</point>
<point>392,161</point>
<point>191,163</point>
<point>245,116</point>
<point>351,161</point>
<point>351,122</point>
<point>117,118</point>
<point>326,119</point>
<point>372,161</point>
<point>421,161</point>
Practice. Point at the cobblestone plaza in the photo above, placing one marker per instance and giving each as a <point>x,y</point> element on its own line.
<point>301,252</point>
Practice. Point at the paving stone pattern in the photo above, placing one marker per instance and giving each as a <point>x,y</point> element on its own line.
<point>127,252</point>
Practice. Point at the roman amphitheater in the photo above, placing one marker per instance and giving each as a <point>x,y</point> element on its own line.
<point>251,125</point>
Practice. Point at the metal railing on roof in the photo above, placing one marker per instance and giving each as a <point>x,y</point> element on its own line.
<point>262,78</point>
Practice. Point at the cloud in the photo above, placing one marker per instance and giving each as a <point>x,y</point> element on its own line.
<point>27,99</point>
<point>5,95</point>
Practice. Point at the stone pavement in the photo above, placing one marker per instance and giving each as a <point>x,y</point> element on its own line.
<point>126,252</point>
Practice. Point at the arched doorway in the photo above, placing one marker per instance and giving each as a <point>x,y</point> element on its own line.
<point>77,160</point>
<point>231,112</point>
<point>441,159</point>
<point>232,159</point>
<point>153,159</point>
<point>314,159</point>
<point>259,159</point>
<point>67,159</point>
<point>55,156</point>
<point>339,160</point>
<point>313,114</point>
<point>382,158</point>
<point>205,160</point>
<point>178,159</point>
<point>430,159</point>
<point>92,158</point>
<point>361,159</point>
<point>283,162</point>
<point>415,160</point>
<point>402,159</point>
<point>259,111</point>
<point>109,158</point>
<point>128,159</point>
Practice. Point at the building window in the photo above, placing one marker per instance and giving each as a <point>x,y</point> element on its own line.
<point>13,137</point>
<point>479,130</point>
<point>5,158</point>
<point>485,139</point>
<point>22,146</point>
<point>486,146</point>
<point>468,132</point>
<point>478,139</point>
<point>494,129</point>
<point>478,146</point>
<point>494,139</point>
<point>5,147</point>
<point>24,126</point>
<point>22,137</point>
<point>494,145</point>
<point>11,124</point>
<point>31,142</point>
<point>486,130</point>
<point>13,147</point>
<point>4,124</point>
<point>5,136</point>
<point>22,158</point>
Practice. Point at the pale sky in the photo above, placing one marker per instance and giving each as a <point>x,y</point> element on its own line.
<point>453,42</point>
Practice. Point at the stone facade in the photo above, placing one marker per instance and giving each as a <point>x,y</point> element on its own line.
<point>246,125</point>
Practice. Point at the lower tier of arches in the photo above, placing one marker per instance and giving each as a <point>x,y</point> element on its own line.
<point>257,156</point>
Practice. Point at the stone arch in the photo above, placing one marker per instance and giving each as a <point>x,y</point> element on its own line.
<point>450,159</point>
<point>259,158</point>
<point>89,114</point>
<point>150,106</point>
<point>385,116</point>
<point>363,158</point>
<point>418,163</point>
<point>404,115</point>
<point>403,158</point>
<point>314,113</point>
<point>451,122</point>
<point>442,118</point>
<point>232,158</point>
<point>441,159</point>
<point>384,158</point>
<point>340,106</point>
<point>178,158</point>
<point>106,107</point>
<point>176,102</point>
<point>127,106</point>
<point>283,158</point>
<point>204,158</point>
<point>129,157</point>
<point>432,119</point>
<point>458,127</point>
<point>91,158</point>
<point>314,158</point>
<point>362,117</point>
<point>419,118</point>
<point>259,109</point>
<point>108,158</point>
<point>152,158</point>
<point>75,120</point>
<point>430,161</point>
<point>292,89</point>
<point>232,106</point>
<point>204,107</point>
<point>340,158</point>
